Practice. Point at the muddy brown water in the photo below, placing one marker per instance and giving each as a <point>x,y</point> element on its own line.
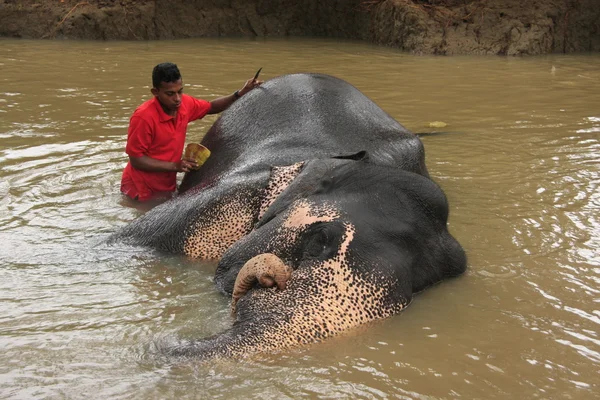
<point>519,161</point>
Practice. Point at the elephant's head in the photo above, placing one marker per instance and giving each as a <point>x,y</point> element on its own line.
<point>345,242</point>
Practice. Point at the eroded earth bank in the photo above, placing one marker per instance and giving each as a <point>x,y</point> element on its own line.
<point>502,27</point>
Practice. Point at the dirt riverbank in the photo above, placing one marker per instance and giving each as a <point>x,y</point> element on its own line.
<point>502,27</point>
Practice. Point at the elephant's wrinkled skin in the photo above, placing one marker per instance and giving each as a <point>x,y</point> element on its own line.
<point>307,175</point>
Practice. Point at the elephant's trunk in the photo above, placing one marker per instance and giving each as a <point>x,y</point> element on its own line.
<point>267,269</point>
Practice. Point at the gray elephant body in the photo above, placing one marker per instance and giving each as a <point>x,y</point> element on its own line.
<point>297,117</point>
<point>309,172</point>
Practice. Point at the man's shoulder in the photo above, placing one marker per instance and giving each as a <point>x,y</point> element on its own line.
<point>146,110</point>
<point>194,108</point>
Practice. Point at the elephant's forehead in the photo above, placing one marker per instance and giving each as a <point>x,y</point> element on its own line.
<point>304,213</point>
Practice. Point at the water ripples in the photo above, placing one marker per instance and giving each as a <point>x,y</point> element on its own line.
<point>519,163</point>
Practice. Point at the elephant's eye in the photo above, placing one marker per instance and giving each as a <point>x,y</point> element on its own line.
<point>316,244</point>
<point>321,240</point>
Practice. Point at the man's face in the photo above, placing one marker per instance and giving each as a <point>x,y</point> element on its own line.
<point>169,95</point>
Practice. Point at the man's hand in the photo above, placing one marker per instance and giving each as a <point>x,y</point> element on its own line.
<point>249,85</point>
<point>186,165</point>
<point>223,103</point>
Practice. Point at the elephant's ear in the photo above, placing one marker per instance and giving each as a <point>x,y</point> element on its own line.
<point>281,177</point>
<point>360,156</point>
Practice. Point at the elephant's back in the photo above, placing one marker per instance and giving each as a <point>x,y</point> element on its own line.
<point>302,116</point>
<point>314,109</point>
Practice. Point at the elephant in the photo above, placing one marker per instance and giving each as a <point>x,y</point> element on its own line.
<point>319,210</point>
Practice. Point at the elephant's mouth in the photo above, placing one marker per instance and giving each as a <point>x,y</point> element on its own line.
<point>305,305</point>
<point>326,293</point>
<point>277,308</point>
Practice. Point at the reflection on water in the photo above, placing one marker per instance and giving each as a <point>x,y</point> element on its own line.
<point>519,160</point>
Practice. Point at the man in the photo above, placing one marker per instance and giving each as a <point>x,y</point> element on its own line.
<point>157,131</point>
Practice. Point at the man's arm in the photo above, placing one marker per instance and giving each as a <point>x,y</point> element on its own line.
<point>223,103</point>
<point>139,140</point>
<point>146,163</point>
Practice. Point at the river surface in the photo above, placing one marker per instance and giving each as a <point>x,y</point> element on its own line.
<point>519,160</point>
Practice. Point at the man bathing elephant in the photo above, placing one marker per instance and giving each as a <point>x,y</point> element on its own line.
<point>157,131</point>
<point>319,209</point>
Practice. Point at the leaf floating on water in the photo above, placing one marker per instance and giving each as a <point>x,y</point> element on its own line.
<point>437,124</point>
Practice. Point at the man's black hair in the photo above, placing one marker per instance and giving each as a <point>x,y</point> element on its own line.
<point>165,72</point>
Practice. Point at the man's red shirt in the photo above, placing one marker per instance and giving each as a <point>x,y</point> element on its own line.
<point>154,133</point>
